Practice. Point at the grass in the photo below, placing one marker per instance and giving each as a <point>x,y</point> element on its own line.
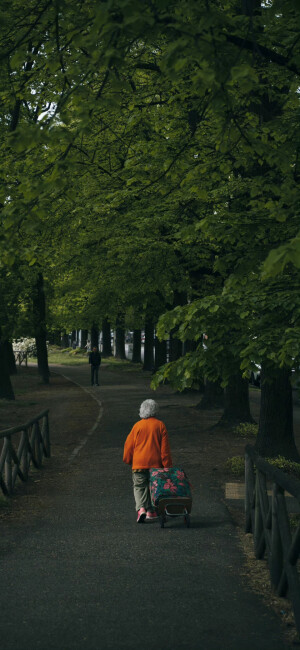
<point>70,357</point>
<point>121,364</point>
<point>65,357</point>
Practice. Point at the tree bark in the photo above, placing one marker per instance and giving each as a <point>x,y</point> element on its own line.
<point>120,338</point>
<point>213,396</point>
<point>55,337</point>
<point>106,338</point>
<point>236,401</point>
<point>94,336</point>
<point>189,346</point>
<point>275,433</point>
<point>160,353</point>
<point>74,339</point>
<point>175,348</point>
<point>11,362</point>
<point>6,389</point>
<point>64,340</point>
<point>136,349</point>
<point>176,345</point>
<point>148,346</point>
<point>39,320</point>
<point>84,338</point>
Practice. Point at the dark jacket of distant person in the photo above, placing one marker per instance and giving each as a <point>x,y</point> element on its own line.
<point>95,357</point>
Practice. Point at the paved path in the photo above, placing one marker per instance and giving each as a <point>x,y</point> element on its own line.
<point>82,575</point>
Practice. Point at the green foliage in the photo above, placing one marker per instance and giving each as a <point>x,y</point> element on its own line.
<point>287,466</point>
<point>184,373</point>
<point>280,257</point>
<point>245,429</point>
<point>147,152</point>
<point>236,465</point>
<point>294,522</point>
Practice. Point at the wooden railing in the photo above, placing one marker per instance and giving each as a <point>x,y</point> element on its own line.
<point>23,445</point>
<point>20,357</point>
<point>268,520</point>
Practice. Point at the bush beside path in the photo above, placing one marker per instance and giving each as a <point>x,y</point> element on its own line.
<point>77,571</point>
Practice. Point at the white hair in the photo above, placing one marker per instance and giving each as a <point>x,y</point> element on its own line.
<point>148,408</point>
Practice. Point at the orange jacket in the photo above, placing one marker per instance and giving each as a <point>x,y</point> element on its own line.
<point>147,445</point>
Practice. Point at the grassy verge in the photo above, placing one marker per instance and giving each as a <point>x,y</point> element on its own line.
<point>65,357</point>
<point>70,357</point>
<point>121,364</point>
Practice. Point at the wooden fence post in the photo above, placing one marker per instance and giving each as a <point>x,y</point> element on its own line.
<point>249,494</point>
<point>46,435</point>
<point>272,528</point>
<point>276,554</point>
<point>37,443</point>
<point>8,469</point>
<point>24,453</point>
<point>33,444</point>
<point>258,537</point>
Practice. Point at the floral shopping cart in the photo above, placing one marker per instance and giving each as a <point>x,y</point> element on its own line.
<point>171,493</point>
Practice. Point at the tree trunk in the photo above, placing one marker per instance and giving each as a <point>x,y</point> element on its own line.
<point>94,336</point>
<point>213,396</point>
<point>160,353</point>
<point>236,401</point>
<point>11,362</point>
<point>189,346</point>
<point>6,389</point>
<point>84,338</point>
<point>148,346</point>
<point>106,339</point>
<point>136,348</point>
<point>54,337</point>
<point>120,338</point>
<point>39,320</point>
<point>276,434</point>
<point>74,339</point>
<point>176,345</point>
<point>175,348</point>
<point>64,340</point>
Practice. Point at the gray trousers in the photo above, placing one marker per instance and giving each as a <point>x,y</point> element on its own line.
<point>141,490</point>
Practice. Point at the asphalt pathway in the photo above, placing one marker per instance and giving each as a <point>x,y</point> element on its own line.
<point>82,575</point>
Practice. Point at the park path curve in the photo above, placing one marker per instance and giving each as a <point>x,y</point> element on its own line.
<point>81,575</point>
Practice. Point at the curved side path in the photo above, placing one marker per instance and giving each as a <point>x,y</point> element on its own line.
<point>80,574</point>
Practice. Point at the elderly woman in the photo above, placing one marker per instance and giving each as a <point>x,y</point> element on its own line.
<point>146,446</point>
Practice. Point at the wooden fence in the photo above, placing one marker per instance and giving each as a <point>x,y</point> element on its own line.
<point>267,518</point>
<point>20,357</point>
<point>23,445</point>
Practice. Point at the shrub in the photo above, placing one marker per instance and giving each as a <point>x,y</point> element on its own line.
<point>25,345</point>
<point>294,522</point>
<point>236,465</point>
<point>287,466</point>
<point>245,429</point>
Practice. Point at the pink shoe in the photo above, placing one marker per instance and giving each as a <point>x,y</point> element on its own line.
<point>141,515</point>
<point>151,515</point>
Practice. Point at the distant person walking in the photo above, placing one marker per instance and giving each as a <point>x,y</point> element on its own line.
<point>146,446</point>
<point>95,361</point>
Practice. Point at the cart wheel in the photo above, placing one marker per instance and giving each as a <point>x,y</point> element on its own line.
<point>187,520</point>
<point>162,521</point>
